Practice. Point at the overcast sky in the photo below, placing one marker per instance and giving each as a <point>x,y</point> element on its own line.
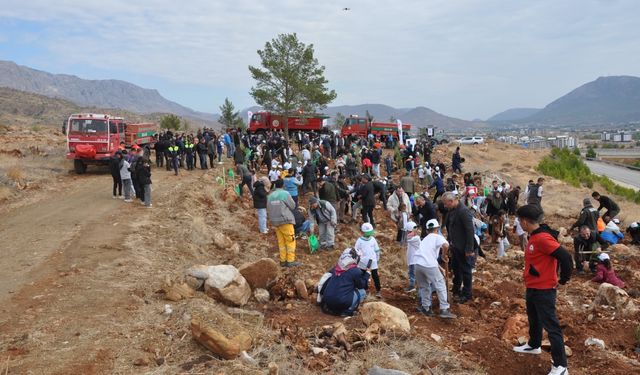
<point>463,58</point>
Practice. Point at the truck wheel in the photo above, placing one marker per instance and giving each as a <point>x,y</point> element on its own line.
<point>79,166</point>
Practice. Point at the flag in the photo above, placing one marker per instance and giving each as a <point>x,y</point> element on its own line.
<point>249,114</point>
<point>400,140</point>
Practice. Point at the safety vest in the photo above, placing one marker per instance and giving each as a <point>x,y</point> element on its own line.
<point>173,149</point>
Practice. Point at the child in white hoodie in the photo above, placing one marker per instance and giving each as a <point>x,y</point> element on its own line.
<point>413,244</point>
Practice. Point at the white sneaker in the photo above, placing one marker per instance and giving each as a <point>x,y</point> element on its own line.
<point>560,370</point>
<point>128,200</point>
<point>114,197</point>
<point>527,349</point>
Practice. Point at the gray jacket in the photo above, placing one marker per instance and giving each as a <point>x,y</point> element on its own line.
<point>280,207</point>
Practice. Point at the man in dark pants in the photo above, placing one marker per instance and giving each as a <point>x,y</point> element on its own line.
<point>585,244</point>
<point>541,258</point>
<point>245,178</point>
<point>368,197</point>
<point>114,167</point>
<point>462,246</point>
<point>605,202</point>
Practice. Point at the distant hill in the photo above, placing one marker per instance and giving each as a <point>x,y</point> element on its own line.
<point>420,117</point>
<point>26,109</point>
<point>98,93</point>
<point>513,114</point>
<point>607,100</point>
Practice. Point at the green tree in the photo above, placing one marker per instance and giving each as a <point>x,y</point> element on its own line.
<point>170,122</point>
<point>338,121</point>
<point>229,117</point>
<point>591,154</point>
<point>290,79</point>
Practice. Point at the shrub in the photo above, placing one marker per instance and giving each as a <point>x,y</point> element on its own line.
<point>591,153</point>
<point>565,165</point>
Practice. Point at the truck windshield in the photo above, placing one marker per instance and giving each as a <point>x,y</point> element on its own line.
<point>256,118</point>
<point>88,126</point>
<point>355,121</point>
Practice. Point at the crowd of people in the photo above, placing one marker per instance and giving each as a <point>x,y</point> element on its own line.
<point>441,214</point>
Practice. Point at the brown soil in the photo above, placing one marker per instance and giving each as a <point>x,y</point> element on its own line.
<point>80,291</point>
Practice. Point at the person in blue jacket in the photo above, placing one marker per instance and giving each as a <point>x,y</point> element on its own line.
<point>343,292</point>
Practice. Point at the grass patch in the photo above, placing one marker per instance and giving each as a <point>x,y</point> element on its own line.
<point>566,166</point>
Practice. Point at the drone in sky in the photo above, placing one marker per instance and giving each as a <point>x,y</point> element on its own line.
<point>346,9</point>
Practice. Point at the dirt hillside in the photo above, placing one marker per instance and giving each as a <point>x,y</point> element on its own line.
<point>82,291</point>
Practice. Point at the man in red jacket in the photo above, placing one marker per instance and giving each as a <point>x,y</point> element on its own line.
<point>541,259</point>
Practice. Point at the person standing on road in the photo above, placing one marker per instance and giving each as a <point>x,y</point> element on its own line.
<point>280,208</point>
<point>114,167</point>
<point>461,238</point>
<point>144,179</point>
<point>125,175</point>
<point>605,202</point>
<point>541,259</point>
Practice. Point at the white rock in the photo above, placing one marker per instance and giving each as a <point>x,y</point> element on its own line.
<point>388,318</point>
<point>261,295</point>
<point>167,310</point>
<point>436,338</point>
<point>226,284</point>
<point>319,351</point>
<point>594,342</point>
<point>199,272</point>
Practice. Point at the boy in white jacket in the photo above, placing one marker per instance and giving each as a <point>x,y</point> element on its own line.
<point>369,249</point>
<point>413,244</point>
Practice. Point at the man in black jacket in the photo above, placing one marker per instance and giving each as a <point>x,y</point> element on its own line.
<point>114,167</point>
<point>588,216</point>
<point>368,198</point>
<point>605,202</point>
<point>260,204</point>
<point>462,246</point>
<point>424,211</point>
<point>585,245</point>
<point>309,179</point>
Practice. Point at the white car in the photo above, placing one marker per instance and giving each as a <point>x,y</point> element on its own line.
<point>471,140</point>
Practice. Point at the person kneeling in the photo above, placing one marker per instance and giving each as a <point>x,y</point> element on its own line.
<point>345,289</point>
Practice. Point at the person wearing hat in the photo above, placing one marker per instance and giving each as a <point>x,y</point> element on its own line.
<point>432,250</point>
<point>588,216</point>
<point>605,272</point>
<point>369,251</point>
<point>541,260</point>
<point>342,293</point>
<point>438,184</point>
<point>408,164</point>
<point>413,244</point>
<point>323,216</point>
<point>611,232</point>
<point>274,173</point>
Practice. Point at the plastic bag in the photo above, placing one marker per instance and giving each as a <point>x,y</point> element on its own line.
<point>237,189</point>
<point>314,244</point>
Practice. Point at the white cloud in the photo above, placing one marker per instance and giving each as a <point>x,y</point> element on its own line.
<point>468,58</point>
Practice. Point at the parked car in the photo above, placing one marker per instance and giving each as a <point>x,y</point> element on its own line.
<point>471,140</point>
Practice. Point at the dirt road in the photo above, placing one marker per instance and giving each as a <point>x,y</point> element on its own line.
<point>68,287</point>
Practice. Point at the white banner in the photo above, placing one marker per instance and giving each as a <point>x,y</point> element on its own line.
<point>400,132</point>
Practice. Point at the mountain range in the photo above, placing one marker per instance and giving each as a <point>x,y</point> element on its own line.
<point>108,93</point>
<point>607,100</point>
<point>613,100</point>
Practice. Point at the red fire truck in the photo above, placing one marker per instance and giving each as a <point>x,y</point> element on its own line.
<point>264,121</point>
<point>93,138</point>
<point>362,127</point>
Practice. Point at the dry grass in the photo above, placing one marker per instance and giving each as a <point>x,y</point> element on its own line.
<point>15,173</point>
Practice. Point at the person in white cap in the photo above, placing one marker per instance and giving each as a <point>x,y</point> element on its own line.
<point>605,272</point>
<point>413,244</point>
<point>427,270</point>
<point>369,249</point>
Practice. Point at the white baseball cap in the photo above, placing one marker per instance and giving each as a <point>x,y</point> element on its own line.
<point>366,227</point>
<point>410,226</point>
<point>604,256</point>
<point>433,223</point>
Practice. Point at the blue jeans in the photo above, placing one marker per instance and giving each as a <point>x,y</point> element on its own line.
<point>304,228</point>
<point>358,296</point>
<point>412,276</point>
<point>262,220</point>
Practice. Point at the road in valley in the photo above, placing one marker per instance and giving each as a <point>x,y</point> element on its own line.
<point>624,176</point>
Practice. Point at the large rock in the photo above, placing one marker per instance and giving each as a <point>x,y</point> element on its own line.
<point>620,248</point>
<point>387,317</point>
<point>225,347</point>
<point>221,240</point>
<point>516,326</point>
<point>261,273</point>
<point>613,296</point>
<point>199,272</point>
<point>383,371</point>
<point>226,284</point>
